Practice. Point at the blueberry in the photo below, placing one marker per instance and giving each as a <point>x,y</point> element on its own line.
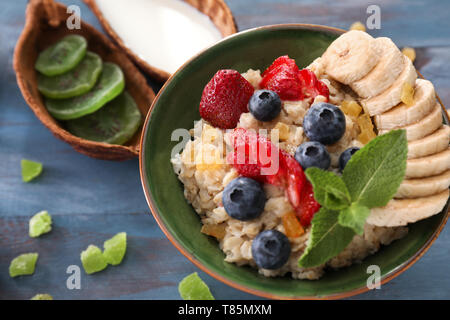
<point>265,105</point>
<point>244,199</point>
<point>345,156</point>
<point>313,154</point>
<point>271,249</point>
<point>324,122</point>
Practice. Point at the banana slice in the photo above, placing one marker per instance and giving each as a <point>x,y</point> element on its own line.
<point>384,73</point>
<point>424,127</point>
<point>429,165</point>
<point>422,187</point>
<point>402,115</point>
<point>391,96</point>
<point>404,211</point>
<point>431,144</point>
<point>351,56</point>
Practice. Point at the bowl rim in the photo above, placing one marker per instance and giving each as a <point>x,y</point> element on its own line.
<point>149,198</point>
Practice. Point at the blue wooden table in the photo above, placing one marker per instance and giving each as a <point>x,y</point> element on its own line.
<point>91,200</point>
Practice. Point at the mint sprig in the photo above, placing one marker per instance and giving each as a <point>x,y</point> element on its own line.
<point>370,179</point>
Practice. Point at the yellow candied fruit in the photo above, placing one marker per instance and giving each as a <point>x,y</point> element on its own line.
<point>366,126</point>
<point>283,131</point>
<point>291,225</point>
<point>214,230</point>
<point>209,158</point>
<point>407,95</point>
<point>410,53</point>
<point>364,122</point>
<point>351,108</point>
<point>365,136</point>
<point>358,25</point>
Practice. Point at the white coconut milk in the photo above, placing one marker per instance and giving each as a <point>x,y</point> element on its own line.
<point>164,33</point>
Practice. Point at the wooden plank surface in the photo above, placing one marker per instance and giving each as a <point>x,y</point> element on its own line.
<point>91,200</point>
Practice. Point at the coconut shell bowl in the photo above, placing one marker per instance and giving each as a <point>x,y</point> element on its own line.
<point>216,10</point>
<point>46,24</point>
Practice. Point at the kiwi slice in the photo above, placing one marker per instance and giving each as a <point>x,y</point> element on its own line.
<point>109,86</point>
<point>115,123</point>
<point>62,56</point>
<point>73,83</point>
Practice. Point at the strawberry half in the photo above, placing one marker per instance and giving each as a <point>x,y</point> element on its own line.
<point>311,86</point>
<point>308,206</point>
<point>282,77</point>
<point>290,83</point>
<point>225,98</point>
<point>253,153</point>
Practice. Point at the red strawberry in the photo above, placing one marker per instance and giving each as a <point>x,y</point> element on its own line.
<point>308,206</point>
<point>254,153</point>
<point>311,86</point>
<point>286,84</point>
<point>290,83</point>
<point>282,78</point>
<point>225,98</point>
<point>283,62</point>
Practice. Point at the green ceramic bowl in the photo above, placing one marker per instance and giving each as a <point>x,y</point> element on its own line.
<point>176,106</point>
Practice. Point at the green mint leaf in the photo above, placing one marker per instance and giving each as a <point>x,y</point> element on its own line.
<point>329,189</point>
<point>375,172</point>
<point>327,239</point>
<point>354,217</point>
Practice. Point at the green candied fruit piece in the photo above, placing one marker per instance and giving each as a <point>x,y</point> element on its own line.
<point>23,265</point>
<point>39,224</point>
<point>75,82</point>
<point>194,288</point>
<point>115,248</point>
<point>62,56</point>
<point>42,296</point>
<point>115,123</point>
<point>110,84</point>
<point>30,169</point>
<point>93,260</point>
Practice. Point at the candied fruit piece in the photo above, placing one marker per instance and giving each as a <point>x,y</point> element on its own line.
<point>42,296</point>
<point>93,260</point>
<point>209,158</point>
<point>291,225</point>
<point>367,129</point>
<point>215,230</point>
<point>283,131</point>
<point>23,265</point>
<point>365,136</point>
<point>364,122</point>
<point>194,288</point>
<point>30,169</point>
<point>358,25</point>
<point>410,53</point>
<point>39,224</point>
<point>407,95</point>
<point>351,108</point>
<point>114,249</point>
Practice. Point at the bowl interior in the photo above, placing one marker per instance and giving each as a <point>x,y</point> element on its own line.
<point>177,107</point>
